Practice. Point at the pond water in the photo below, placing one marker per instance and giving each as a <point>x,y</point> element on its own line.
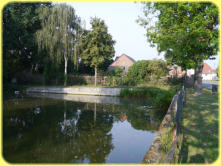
<point>77,129</point>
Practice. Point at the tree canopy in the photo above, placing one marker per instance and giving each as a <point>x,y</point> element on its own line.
<point>148,70</point>
<point>58,34</point>
<point>187,33</point>
<point>98,45</point>
<point>20,22</point>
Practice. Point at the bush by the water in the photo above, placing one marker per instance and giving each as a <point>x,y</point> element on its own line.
<point>175,80</point>
<point>160,98</point>
<point>117,77</point>
<point>147,70</point>
<point>140,72</point>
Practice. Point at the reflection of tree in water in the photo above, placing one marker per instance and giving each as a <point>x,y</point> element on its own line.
<point>140,117</point>
<point>92,140</point>
<point>67,131</point>
<point>142,120</point>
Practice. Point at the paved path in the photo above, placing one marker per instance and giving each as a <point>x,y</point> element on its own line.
<point>208,84</point>
<point>200,128</point>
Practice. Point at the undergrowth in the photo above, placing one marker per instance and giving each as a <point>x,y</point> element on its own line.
<point>160,98</point>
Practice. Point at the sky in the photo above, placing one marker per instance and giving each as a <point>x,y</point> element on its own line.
<point>120,18</point>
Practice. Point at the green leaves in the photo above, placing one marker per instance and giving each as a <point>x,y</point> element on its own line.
<point>147,70</point>
<point>57,34</point>
<point>186,33</point>
<point>20,22</point>
<point>97,45</point>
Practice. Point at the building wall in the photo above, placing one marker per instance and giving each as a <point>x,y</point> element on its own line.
<point>177,73</point>
<point>190,72</point>
<point>209,76</point>
<point>123,61</point>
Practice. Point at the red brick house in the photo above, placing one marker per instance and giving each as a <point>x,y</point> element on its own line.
<point>208,73</point>
<point>123,61</point>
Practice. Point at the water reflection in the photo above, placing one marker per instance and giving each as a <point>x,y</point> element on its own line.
<point>41,130</point>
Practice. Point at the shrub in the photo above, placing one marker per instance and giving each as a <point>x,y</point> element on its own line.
<point>147,70</point>
<point>138,71</point>
<point>166,140</point>
<point>175,80</point>
<point>163,100</point>
<point>115,77</point>
<point>160,98</point>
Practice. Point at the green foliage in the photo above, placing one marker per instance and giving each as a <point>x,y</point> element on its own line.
<point>163,100</point>
<point>97,45</point>
<point>115,77</point>
<point>147,70</point>
<point>20,22</point>
<point>160,98</point>
<point>59,34</point>
<point>166,140</point>
<point>139,70</point>
<point>117,72</point>
<point>187,33</point>
<point>175,81</point>
<point>56,34</point>
<point>157,69</point>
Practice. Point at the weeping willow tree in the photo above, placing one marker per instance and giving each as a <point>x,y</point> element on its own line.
<point>59,34</point>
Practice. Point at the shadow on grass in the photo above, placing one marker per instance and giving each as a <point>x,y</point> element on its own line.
<point>200,128</point>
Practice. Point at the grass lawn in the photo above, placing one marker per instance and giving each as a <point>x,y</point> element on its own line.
<point>200,128</point>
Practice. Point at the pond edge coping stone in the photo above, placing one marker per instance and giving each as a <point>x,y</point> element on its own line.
<point>96,91</point>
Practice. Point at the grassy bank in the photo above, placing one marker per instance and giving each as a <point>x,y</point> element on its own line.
<point>159,95</point>
<point>200,128</point>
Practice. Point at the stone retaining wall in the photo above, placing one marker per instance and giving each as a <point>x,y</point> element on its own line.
<point>78,98</point>
<point>169,125</point>
<point>96,91</point>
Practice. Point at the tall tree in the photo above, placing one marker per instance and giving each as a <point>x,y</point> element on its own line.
<point>98,46</point>
<point>20,22</point>
<point>58,35</point>
<point>217,71</point>
<point>187,33</point>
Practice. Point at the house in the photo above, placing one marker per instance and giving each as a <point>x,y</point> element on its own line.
<point>190,72</point>
<point>176,71</point>
<point>123,61</point>
<point>207,74</point>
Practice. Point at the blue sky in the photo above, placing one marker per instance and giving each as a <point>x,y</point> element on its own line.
<point>120,17</point>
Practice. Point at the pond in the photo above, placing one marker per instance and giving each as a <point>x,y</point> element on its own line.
<point>57,128</point>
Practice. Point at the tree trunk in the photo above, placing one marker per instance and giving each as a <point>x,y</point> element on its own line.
<point>185,77</point>
<point>65,119</point>
<point>76,57</point>
<point>95,76</point>
<point>198,78</point>
<point>65,70</point>
<point>95,112</point>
